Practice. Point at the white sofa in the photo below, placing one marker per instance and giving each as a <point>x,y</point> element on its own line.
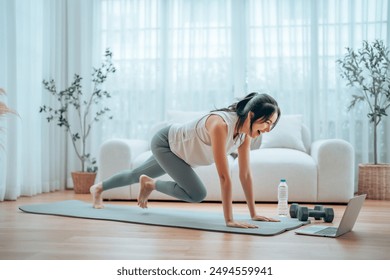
<point>319,171</point>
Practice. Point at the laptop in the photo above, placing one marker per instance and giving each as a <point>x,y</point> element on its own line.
<point>347,221</point>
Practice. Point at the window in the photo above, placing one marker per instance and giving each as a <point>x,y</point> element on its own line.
<point>200,55</point>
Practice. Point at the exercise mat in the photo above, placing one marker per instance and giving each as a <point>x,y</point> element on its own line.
<point>169,217</point>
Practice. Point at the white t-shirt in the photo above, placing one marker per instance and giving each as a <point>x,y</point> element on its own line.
<point>191,141</point>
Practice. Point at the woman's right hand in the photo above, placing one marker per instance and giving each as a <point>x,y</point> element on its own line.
<point>240,224</point>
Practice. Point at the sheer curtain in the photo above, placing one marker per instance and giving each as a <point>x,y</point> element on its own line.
<point>293,46</point>
<point>170,55</point>
<point>40,39</point>
<point>197,55</point>
<point>20,75</point>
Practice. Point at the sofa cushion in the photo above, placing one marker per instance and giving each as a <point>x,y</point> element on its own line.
<point>286,134</point>
<point>270,165</point>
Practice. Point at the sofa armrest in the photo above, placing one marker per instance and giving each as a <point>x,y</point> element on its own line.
<point>335,163</point>
<point>118,154</point>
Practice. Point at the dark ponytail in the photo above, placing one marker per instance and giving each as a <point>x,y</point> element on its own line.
<point>263,106</point>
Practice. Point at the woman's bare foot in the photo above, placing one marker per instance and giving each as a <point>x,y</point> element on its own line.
<point>96,192</point>
<point>147,186</point>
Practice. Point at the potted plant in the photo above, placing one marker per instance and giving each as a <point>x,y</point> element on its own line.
<point>368,70</point>
<point>73,102</point>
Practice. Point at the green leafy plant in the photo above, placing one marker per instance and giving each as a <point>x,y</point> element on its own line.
<point>367,70</point>
<point>73,102</point>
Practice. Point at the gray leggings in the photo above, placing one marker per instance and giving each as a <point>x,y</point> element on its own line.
<point>186,186</point>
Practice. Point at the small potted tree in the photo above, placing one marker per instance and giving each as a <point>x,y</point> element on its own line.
<point>368,71</point>
<point>73,102</point>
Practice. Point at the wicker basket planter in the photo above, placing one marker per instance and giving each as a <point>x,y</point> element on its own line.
<point>374,180</point>
<point>82,181</point>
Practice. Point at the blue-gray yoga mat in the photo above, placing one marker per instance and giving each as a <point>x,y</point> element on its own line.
<point>159,216</point>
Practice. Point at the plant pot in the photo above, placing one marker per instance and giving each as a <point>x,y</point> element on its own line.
<point>82,181</point>
<point>374,180</point>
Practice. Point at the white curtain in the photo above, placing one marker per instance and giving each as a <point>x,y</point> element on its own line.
<point>170,55</point>
<point>20,75</point>
<point>293,46</point>
<point>40,39</point>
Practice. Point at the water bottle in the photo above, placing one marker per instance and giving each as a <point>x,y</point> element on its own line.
<point>282,198</point>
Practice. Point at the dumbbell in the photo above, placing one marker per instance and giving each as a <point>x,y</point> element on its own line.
<point>303,213</point>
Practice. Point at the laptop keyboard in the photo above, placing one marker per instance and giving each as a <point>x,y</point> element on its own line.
<point>327,231</point>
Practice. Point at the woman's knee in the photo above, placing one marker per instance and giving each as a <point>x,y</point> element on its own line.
<point>198,196</point>
<point>159,140</point>
<point>155,144</point>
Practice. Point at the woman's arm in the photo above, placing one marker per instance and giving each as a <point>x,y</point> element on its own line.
<point>246,180</point>
<point>218,132</point>
<point>246,175</point>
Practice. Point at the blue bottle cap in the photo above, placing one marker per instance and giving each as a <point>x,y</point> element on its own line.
<point>282,180</point>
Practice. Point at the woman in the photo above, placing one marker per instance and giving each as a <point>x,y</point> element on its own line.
<point>180,147</point>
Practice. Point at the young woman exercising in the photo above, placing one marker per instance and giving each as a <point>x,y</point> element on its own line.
<point>180,147</point>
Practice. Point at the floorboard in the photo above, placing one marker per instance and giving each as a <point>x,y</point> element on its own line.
<point>40,237</point>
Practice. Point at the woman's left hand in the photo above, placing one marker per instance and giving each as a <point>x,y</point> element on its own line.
<point>264,219</point>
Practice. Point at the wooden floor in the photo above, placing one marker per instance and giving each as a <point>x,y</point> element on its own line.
<point>27,236</point>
